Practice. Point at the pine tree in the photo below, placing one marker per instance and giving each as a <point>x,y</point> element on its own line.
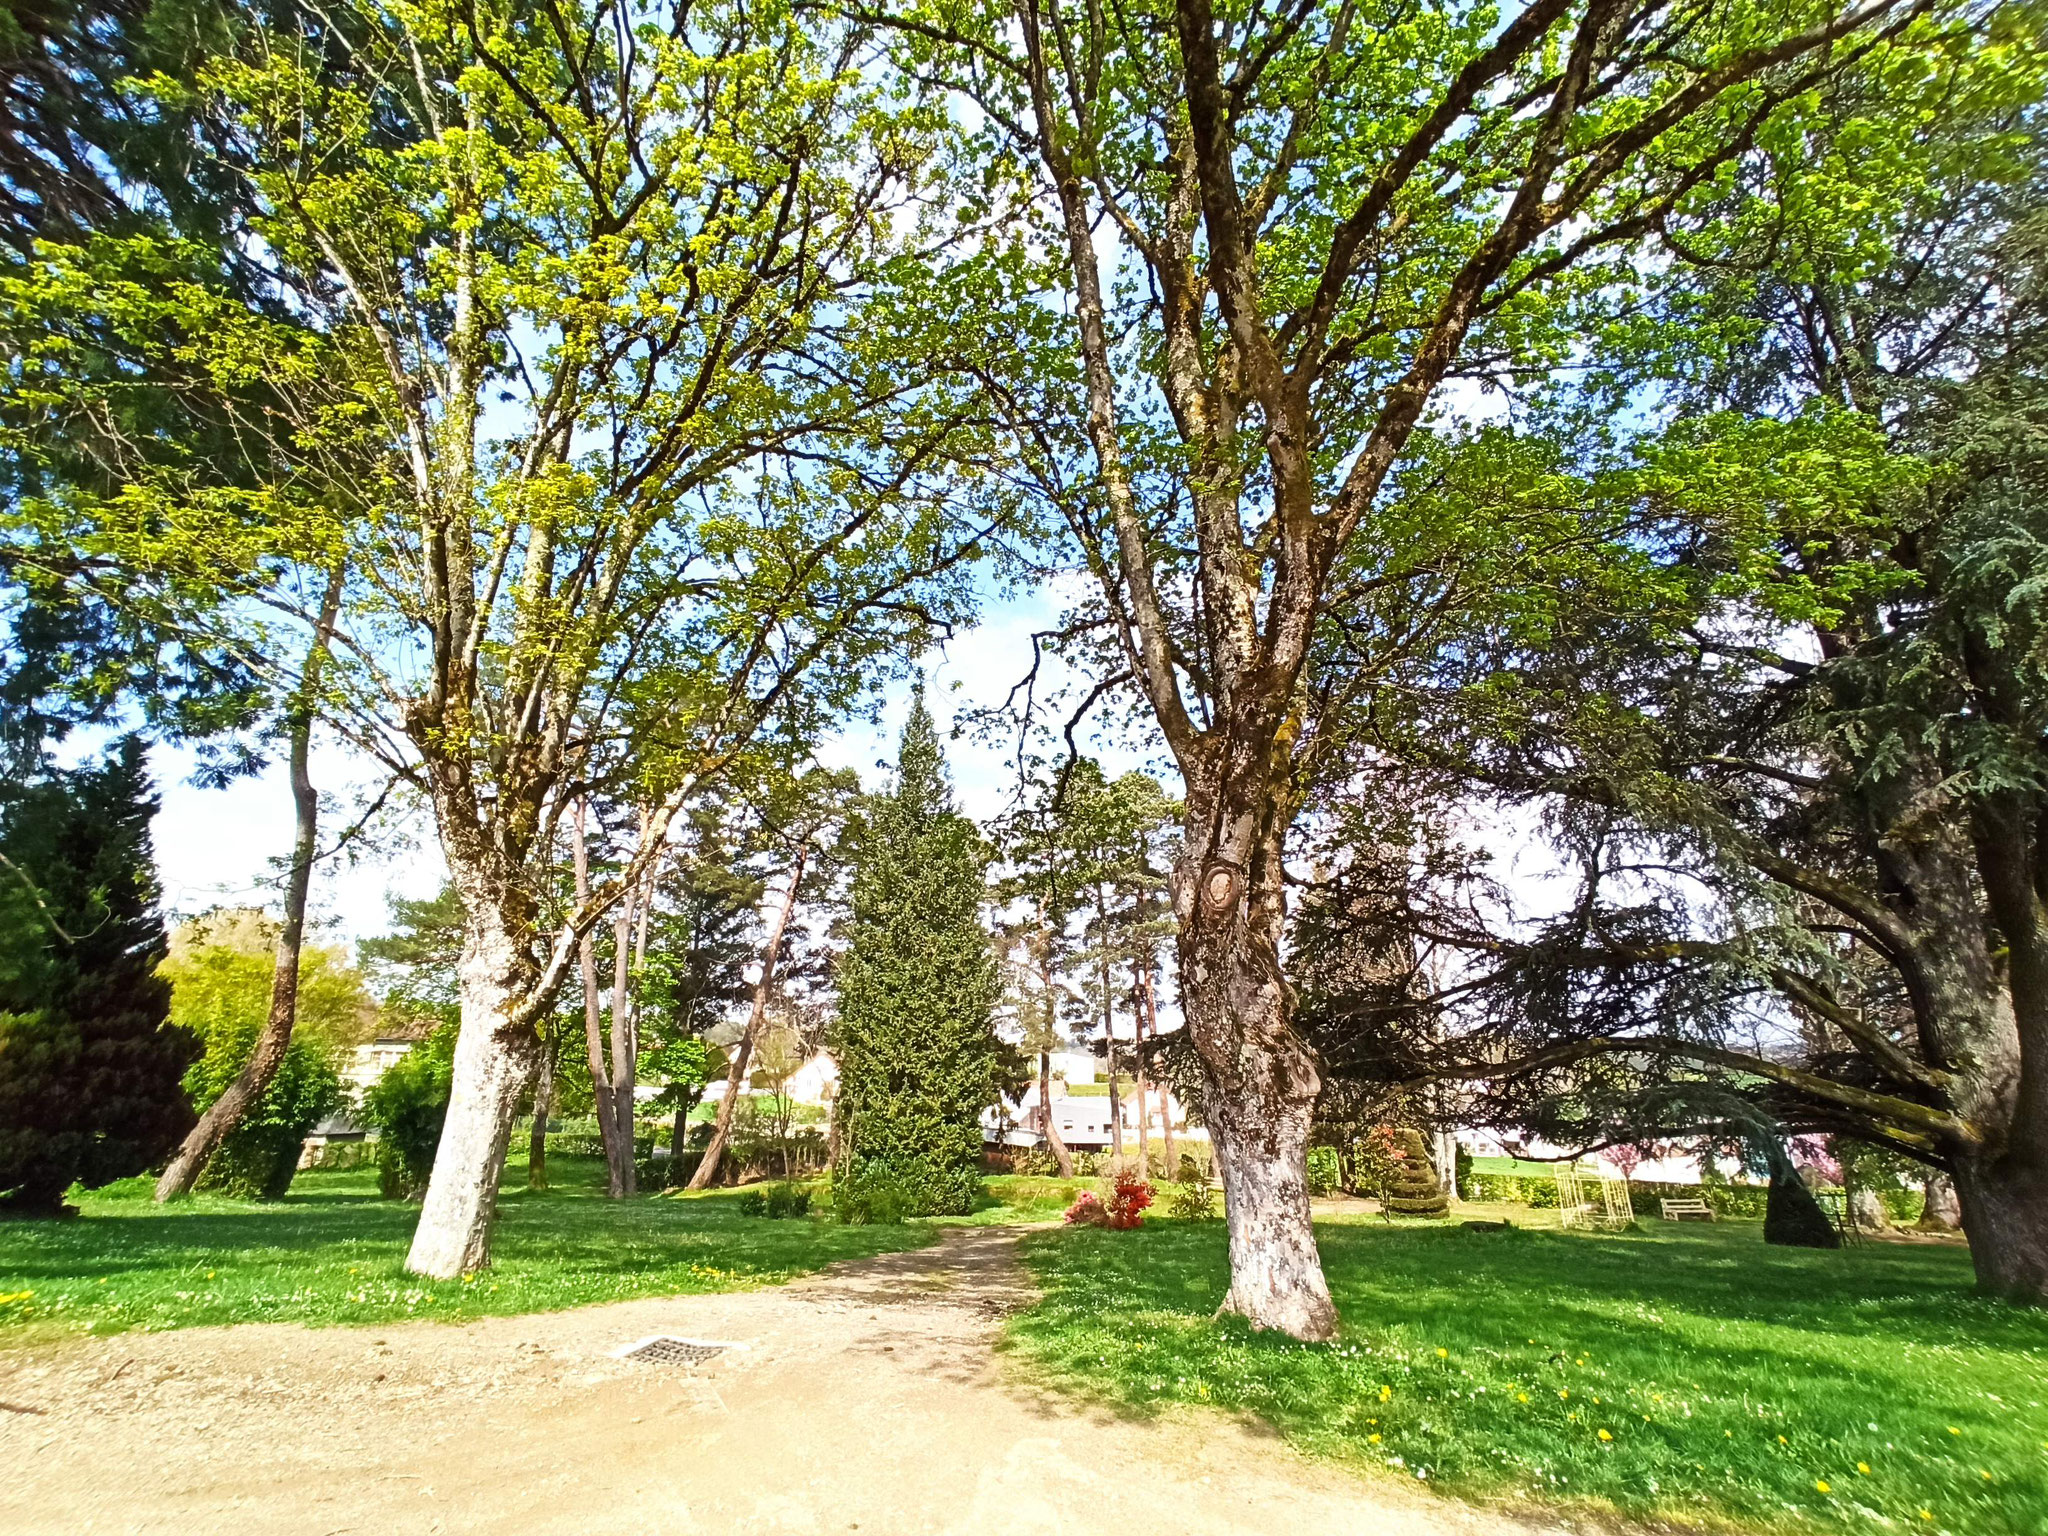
<point>918,1057</point>
<point>90,1071</point>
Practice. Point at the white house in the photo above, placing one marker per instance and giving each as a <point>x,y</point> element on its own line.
<point>1083,1119</point>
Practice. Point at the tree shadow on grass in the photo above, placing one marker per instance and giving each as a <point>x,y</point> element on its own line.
<point>1694,1372</point>
<point>334,1253</point>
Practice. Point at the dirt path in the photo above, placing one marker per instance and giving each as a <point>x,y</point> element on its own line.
<point>866,1399</point>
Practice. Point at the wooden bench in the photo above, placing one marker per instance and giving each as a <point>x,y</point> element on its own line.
<point>1687,1210</point>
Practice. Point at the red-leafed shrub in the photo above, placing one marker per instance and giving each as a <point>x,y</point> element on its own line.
<point>1127,1201</point>
<point>1124,1209</point>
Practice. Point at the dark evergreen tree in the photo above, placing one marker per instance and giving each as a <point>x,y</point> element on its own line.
<point>918,1057</point>
<point>90,1071</point>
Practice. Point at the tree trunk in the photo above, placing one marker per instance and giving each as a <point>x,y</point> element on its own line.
<point>1866,1211</point>
<point>625,1054</point>
<point>736,1076</point>
<point>543,1103</point>
<point>1138,1084</point>
<point>2005,1214</point>
<point>1116,1107</point>
<point>1260,1078</point>
<point>593,1025</point>
<point>226,1112</point>
<point>495,1055</point>
<point>1940,1210</point>
<point>1151,1025</point>
<point>678,1134</point>
<point>1046,1128</point>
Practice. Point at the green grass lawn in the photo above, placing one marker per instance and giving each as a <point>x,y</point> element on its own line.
<point>1689,1374</point>
<point>1015,1199</point>
<point>332,1252</point>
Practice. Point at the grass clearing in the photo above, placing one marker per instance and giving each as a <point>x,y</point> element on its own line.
<point>1019,1200</point>
<point>1687,1374</point>
<point>333,1252</point>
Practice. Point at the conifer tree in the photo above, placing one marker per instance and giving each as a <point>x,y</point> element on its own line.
<point>90,1072</point>
<point>917,1053</point>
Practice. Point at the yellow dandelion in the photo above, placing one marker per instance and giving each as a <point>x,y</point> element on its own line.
<point>1564,1392</point>
<point>1443,1354</point>
<point>1521,1397</point>
<point>1783,1441</point>
<point>1820,1485</point>
<point>1953,1430</point>
<point>1386,1394</point>
<point>1605,1436</point>
<point>1926,1514</point>
<point>1983,1474</point>
<point>1372,1439</point>
<point>1863,1468</point>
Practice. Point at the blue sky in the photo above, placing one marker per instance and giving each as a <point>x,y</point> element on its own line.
<point>220,847</point>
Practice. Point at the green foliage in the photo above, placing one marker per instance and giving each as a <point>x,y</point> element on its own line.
<point>221,969</point>
<point>90,1067</point>
<point>1732,1378</point>
<point>779,1202</point>
<point>1325,1172</point>
<point>1412,1187</point>
<point>415,962</point>
<point>259,1159</point>
<point>407,1106</point>
<point>683,1066</point>
<point>918,1058</point>
<point>1191,1200</point>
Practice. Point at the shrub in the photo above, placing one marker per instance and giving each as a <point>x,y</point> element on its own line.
<point>407,1105</point>
<point>879,1192</point>
<point>1191,1200</point>
<point>1324,1173</point>
<point>260,1156</point>
<point>1087,1211</point>
<point>870,1202</point>
<point>1129,1195</point>
<point>1413,1189</point>
<point>778,1202</point>
<point>222,969</point>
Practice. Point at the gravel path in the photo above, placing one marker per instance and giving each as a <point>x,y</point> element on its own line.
<point>865,1399</point>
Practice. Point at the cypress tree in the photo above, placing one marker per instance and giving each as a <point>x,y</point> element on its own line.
<point>90,1071</point>
<point>918,1057</point>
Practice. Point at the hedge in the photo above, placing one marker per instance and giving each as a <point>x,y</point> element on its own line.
<point>1742,1202</point>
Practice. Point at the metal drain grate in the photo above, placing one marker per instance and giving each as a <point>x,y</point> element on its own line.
<point>665,1351</point>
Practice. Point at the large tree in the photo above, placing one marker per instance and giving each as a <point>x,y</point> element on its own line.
<point>615,306</point>
<point>90,1067</point>
<point>1804,791</point>
<point>1324,212</point>
<point>918,1057</point>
